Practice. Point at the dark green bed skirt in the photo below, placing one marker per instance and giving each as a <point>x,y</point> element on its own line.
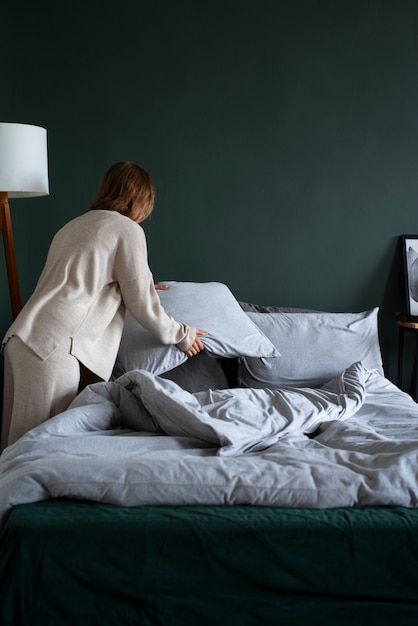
<point>84,564</point>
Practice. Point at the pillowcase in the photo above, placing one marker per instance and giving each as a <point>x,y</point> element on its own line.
<point>207,306</point>
<point>314,348</point>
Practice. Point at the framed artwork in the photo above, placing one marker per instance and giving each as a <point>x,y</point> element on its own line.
<point>410,256</point>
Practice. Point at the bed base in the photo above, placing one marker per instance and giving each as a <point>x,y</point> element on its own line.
<point>90,564</point>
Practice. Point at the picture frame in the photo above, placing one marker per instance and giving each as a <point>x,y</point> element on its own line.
<point>410,263</point>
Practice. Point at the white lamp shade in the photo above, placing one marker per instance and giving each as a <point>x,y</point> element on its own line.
<point>23,160</point>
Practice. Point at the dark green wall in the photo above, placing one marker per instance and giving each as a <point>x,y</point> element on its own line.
<point>282,137</point>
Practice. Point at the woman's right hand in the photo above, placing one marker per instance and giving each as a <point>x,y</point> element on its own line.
<point>197,346</point>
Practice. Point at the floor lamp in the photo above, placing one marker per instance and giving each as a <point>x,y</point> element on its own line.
<point>23,174</point>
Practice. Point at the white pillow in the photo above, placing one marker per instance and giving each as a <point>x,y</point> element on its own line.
<point>314,348</point>
<point>207,306</point>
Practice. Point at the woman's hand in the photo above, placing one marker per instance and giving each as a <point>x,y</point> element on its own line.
<point>161,287</point>
<point>197,345</point>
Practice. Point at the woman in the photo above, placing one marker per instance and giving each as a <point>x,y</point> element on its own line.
<point>70,328</point>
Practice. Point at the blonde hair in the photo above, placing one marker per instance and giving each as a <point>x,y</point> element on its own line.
<point>127,189</point>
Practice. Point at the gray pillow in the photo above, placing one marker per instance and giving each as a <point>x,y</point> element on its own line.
<point>201,373</point>
<point>314,348</point>
<point>208,306</point>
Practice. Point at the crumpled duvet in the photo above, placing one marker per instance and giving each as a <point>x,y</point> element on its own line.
<point>236,421</point>
<point>143,440</point>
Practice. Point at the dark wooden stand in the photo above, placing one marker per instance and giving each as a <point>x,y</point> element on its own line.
<point>407,323</point>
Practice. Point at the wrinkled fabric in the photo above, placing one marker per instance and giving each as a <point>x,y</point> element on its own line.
<point>143,440</point>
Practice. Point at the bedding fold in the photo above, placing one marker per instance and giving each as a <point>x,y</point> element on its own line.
<point>144,440</point>
<point>237,421</point>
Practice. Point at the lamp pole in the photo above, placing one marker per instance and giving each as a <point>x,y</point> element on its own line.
<point>10,255</point>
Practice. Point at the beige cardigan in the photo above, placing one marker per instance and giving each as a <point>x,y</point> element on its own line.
<point>96,267</point>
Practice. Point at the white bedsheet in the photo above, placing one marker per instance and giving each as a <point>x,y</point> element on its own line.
<point>143,440</point>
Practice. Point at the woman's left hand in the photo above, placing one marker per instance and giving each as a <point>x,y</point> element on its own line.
<point>161,287</point>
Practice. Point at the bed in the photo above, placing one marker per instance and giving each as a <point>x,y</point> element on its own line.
<point>271,479</point>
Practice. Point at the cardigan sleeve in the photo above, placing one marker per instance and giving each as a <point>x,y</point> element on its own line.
<point>136,283</point>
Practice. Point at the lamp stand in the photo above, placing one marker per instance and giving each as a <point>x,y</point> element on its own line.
<point>9,253</point>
